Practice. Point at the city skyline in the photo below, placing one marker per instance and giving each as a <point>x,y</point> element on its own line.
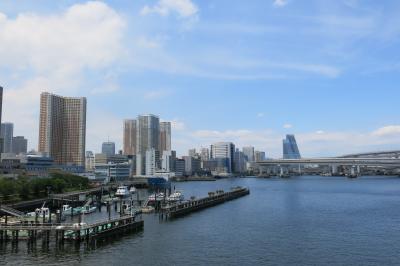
<point>318,91</point>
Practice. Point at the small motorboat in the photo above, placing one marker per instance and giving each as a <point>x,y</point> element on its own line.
<point>40,212</point>
<point>122,191</point>
<point>132,190</point>
<point>88,209</point>
<point>176,196</point>
<point>158,196</point>
<point>148,209</point>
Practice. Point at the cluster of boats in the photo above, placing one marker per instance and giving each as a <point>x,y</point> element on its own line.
<point>66,211</point>
<point>70,211</point>
<point>176,196</point>
<point>123,191</point>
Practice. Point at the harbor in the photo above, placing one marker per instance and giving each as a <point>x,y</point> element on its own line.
<point>89,215</point>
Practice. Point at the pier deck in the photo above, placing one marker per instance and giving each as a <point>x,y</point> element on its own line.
<point>214,198</point>
<point>76,231</point>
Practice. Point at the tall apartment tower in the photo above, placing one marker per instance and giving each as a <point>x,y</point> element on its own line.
<point>1,110</point>
<point>259,156</point>
<point>7,133</point>
<point>19,145</point>
<point>108,148</point>
<point>165,136</point>
<point>147,137</point>
<point>224,150</point>
<point>205,154</point>
<point>129,137</point>
<point>62,128</point>
<point>290,149</point>
<point>249,153</point>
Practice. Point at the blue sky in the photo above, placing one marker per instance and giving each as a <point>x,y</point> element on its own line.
<point>242,71</point>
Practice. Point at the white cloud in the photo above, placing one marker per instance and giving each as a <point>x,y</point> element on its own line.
<point>392,130</point>
<point>156,94</point>
<point>85,35</point>
<point>287,126</point>
<point>280,3</point>
<point>260,115</point>
<point>50,52</point>
<point>184,8</point>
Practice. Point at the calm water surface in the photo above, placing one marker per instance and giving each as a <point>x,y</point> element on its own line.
<point>297,221</point>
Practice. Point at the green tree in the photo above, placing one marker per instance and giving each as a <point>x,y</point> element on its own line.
<point>7,188</point>
<point>23,187</point>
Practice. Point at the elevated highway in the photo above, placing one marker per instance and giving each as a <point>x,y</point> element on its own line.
<point>333,161</point>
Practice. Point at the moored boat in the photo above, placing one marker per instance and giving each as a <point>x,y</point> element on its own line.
<point>176,196</point>
<point>158,196</point>
<point>122,191</point>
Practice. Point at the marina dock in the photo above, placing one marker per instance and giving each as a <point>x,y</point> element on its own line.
<point>214,198</point>
<point>60,232</point>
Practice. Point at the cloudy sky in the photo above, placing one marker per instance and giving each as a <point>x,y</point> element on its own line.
<point>242,71</point>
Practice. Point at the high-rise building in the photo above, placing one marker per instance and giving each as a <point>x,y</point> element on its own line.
<point>1,110</point>
<point>290,149</point>
<point>204,154</point>
<point>224,150</point>
<point>179,167</point>
<point>192,165</point>
<point>108,148</point>
<point>129,137</point>
<point>165,136</point>
<point>240,162</point>
<point>89,161</point>
<point>259,156</point>
<point>249,153</point>
<point>147,137</point>
<point>168,161</point>
<point>19,145</point>
<point>192,152</point>
<point>7,130</point>
<point>150,162</point>
<point>62,128</point>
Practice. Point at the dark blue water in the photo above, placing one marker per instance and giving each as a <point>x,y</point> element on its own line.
<point>297,221</point>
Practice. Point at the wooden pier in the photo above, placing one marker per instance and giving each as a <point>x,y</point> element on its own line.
<point>60,232</point>
<point>214,198</point>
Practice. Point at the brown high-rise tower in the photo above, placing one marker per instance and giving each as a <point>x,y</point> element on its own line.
<point>129,137</point>
<point>62,128</point>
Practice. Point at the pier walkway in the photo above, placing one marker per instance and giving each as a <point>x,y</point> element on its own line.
<point>61,232</point>
<point>214,198</point>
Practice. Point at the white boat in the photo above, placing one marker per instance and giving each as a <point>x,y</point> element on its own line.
<point>122,191</point>
<point>158,196</point>
<point>66,209</point>
<point>40,212</point>
<point>88,209</point>
<point>176,196</point>
<point>148,209</point>
<point>132,190</point>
